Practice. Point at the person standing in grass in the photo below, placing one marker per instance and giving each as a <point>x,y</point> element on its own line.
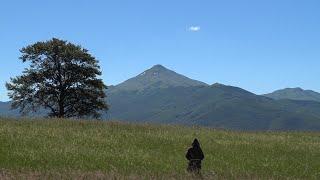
<point>195,156</point>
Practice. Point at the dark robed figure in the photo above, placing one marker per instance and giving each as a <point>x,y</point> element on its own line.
<point>195,156</point>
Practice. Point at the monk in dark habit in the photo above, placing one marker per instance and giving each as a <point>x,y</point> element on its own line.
<point>195,156</point>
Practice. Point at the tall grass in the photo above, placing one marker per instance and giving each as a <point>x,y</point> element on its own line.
<point>70,148</point>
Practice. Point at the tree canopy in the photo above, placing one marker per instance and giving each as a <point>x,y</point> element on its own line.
<point>62,78</point>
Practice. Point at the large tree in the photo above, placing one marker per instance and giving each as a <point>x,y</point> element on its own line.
<point>62,78</point>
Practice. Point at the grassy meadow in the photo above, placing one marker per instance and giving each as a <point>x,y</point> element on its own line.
<point>69,149</point>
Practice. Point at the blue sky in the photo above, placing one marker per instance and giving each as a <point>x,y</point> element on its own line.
<point>257,45</point>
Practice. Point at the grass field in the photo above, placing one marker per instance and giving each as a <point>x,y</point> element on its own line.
<point>92,149</point>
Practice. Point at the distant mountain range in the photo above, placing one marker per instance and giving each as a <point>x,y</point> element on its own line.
<point>5,109</point>
<point>159,95</point>
<point>295,94</point>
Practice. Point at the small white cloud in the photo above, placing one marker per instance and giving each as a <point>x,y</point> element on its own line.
<point>194,28</point>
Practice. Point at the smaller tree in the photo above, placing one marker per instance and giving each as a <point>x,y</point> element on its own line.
<point>61,78</point>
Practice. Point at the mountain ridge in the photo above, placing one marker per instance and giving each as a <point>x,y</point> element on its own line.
<point>157,77</point>
<point>160,95</point>
<point>294,94</point>
<point>215,105</point>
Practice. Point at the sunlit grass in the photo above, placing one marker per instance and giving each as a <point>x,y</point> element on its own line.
<point>74,149</point>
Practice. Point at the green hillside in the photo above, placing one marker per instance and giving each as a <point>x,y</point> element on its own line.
<point>295,94</point>
<point>214,106</point>
<point>92,149</point>
<point>154,78</point>
<point>159,95</point>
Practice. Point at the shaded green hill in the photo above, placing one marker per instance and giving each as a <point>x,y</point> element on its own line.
<point>5,110</point>
<point>295,94</point>
<point>214,106</point>
<point>158,96</point>
<point>155,78</point>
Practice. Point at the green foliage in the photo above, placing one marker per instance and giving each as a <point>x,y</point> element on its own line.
<point>62,78</point>
<point>65,147</point>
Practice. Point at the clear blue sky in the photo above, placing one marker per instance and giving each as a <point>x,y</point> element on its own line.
<point>260,46</point>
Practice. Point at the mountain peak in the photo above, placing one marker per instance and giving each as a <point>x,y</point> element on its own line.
<point>158,77</point>
<point>294,89</point>
<point>217,84</point>
<point>159,67</point>
<point>295,94</point>
<point>156,69</point>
